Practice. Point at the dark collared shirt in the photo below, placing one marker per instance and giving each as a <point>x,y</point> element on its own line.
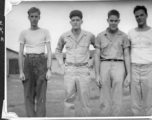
<point>112,49</point>
<point>77,51</point>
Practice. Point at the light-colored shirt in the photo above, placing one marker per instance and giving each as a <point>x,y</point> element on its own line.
<point>141,46</point>
<point>112,49</point>
<point>34,40</point>
<point>77,51</point>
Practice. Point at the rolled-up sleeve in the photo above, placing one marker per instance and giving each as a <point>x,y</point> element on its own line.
<point>58,50</point>
<point>126,42</point>
<point>48,37</point>
<point>98,42</point>
<point>21,38</point>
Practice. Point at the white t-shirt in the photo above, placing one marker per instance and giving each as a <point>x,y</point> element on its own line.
<point>141,46</point>
<point>34,40</point>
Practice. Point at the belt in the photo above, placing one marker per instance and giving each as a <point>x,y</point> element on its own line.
<point>35,55</point>
<point>77,64</point>
<point>111,60</point>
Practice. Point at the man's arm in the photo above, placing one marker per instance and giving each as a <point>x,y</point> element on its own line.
<point>97,61</point>
<point>58,52</point>
<point>97,67</point>
<point>126,47</point>
<point>127,65</point>
<point>21,50</point>
<point>91,61</point>
<point>49,60</point>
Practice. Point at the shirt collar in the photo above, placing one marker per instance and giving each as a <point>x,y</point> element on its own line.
<point>82,33</point>
<point>118,32</point>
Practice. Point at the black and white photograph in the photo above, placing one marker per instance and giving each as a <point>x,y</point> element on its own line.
<point>78,59</point>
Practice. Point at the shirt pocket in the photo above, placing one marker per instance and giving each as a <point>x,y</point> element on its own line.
<point>84,43</point>
<point>104,48</point>
<point>119,49</point>
<point>83,46</point>
<point>68,44</point>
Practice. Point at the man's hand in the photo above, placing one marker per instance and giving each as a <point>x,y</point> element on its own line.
<point>90,63</point>
<point>48,74</point>
<point>99,81</point>
<point>22,76</point>
<point>127,80</point>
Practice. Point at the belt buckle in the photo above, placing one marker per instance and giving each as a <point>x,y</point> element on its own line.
<point>76,64</point>
<point>40,55</point>
<point>112,60</point>
<point>31,55</point>
<point>73,64</point>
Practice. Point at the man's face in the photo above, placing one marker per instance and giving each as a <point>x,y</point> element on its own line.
<point>34,18</point>
<point>113,21</point>
<point>76,22</point>
<point>141,17</point>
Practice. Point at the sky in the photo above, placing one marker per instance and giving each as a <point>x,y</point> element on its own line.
<point>55,17</point>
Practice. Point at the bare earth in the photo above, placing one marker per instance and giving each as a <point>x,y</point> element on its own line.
<point>55,99</point>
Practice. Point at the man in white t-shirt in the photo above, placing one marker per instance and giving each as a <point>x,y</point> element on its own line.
<point>141,59</point>
<point>36,69</point>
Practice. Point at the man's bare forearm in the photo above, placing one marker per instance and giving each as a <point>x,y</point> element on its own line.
<point>127,61</point>
<point>49,60</point>
<point>59,56</point>
<point>97,62</point>
<point>21,58</point>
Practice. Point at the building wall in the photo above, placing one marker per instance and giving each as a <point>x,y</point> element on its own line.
<point>10,55</point>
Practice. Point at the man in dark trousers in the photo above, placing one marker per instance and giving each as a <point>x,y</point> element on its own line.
<point>36,69</point>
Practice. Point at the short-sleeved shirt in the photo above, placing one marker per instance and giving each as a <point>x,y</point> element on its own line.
<point>141,46</point>
<point>34,40</point>
<point>112,49</point>
<point>77,51</point>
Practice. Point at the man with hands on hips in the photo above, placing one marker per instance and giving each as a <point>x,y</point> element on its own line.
<point>76,67</point>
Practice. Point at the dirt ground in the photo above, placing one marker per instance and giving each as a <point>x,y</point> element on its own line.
<point>55,98</point>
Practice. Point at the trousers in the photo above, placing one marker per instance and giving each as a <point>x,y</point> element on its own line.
<point>111,93</point>
<point>35,86</point>
<point>141,89</point>
<point>76,82</point>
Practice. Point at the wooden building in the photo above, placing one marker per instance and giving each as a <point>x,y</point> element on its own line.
<point>12,62</point>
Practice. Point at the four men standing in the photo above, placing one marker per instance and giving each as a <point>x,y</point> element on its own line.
<point>112,65</point>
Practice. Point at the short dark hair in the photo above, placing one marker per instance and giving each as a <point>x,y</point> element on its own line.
<point>113,12</point>
<point>33,9</point>
<point>138,7</point>
<point>76,13</point>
